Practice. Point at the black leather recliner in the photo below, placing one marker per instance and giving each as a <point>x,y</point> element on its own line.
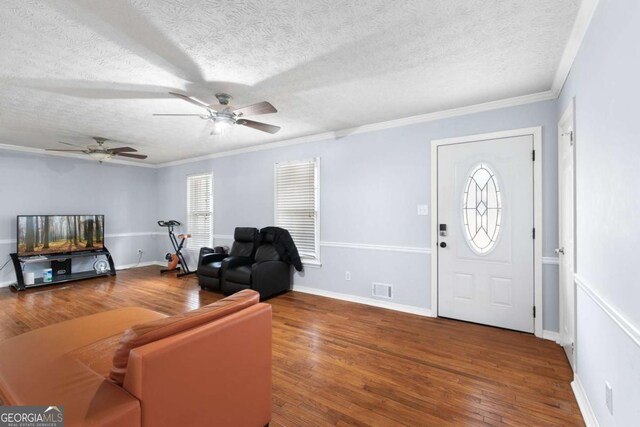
<point>267,274</point>
<point>210,263</point>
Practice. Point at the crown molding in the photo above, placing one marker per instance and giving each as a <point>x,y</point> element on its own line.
<point>578,31</point>
<point>42,151</point>
<point>389,124</point>
<point>422,118</point>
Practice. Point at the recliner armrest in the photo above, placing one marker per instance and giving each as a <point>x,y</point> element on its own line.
<point>212,257</point>
<point>204,251</point>
<point>235,261</point>
<point>270,277</point>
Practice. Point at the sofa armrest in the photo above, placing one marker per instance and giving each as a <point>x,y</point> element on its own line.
<point>208,375</point>
<point>88,398</point>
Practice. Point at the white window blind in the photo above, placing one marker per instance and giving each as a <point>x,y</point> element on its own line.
<point>297,204</point>
<point>200,210</point>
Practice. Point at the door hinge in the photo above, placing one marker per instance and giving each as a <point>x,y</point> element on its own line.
<point>533,233</point>
<point>570,135</point>
<point>534,311</point>
<point>533,155</point>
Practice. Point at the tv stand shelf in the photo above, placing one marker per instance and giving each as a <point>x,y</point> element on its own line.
<point>20,261</point>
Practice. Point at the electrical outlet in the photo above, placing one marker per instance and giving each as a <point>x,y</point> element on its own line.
<point>347,275</point>
<point>423,210</point>
<point>609,397</point>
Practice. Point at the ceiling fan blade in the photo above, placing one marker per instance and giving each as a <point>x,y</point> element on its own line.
<point>66,151</point>
<point>190,99</point>
<point>122,150</point>
<point>133,156</point>
<point>253,110</point>
<point>197,115</point>
<point>264,127</point>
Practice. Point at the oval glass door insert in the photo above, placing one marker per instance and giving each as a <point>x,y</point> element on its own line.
<point>481,209</point>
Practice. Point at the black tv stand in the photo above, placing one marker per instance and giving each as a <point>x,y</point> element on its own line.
<point>19,261</point>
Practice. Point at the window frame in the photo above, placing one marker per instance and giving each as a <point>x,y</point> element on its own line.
<point>307,261</point>
<point>189,245</point>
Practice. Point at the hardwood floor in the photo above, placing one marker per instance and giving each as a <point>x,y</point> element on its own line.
<point>340,363</point>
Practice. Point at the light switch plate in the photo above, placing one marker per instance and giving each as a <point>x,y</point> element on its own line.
<point>423,210</point>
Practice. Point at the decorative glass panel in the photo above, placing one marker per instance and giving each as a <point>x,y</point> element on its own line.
<point>481,209</point>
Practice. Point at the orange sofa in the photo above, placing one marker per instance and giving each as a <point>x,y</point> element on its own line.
<point>207,367</point>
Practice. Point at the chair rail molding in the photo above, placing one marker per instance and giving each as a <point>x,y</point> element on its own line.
<point>618,318</point>
<point>377,247</point>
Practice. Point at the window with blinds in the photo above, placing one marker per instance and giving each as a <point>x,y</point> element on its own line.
<point>200,210</point>
<point>297,204</point>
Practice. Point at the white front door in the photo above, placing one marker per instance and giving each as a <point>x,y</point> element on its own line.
<point>565,249</point>
<point>485,223</point>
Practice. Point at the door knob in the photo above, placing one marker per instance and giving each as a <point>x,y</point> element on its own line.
<point>559,251</point>
<point>443,245</point>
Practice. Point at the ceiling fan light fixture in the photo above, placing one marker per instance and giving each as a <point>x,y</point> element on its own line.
<point>100,156</point>
<point>221,125</point>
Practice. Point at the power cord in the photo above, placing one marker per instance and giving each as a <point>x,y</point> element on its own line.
<point>5,264</point>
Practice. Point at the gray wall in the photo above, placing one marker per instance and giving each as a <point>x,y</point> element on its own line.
<point>39,184</point>
<point>370,186</point>
<point>604,81</point>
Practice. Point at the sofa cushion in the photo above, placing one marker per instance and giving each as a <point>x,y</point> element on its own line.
<point>241,274</point>
<point>211,269</point>
<point>145,333</point>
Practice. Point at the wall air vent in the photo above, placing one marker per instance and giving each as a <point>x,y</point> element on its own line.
<point>382,290</point>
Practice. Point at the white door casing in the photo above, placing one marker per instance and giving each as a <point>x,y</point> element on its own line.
<point>566,231</point>
<point>497,285</point>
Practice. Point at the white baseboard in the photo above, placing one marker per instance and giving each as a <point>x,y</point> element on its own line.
<point>551,336</point>
<point>367,301</point>
<point>583,403</point>
<point>141,264</point>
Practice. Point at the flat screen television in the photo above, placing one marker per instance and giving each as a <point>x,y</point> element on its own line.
<point>53,234</point>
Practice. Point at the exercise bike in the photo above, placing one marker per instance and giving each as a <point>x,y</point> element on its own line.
<point>175,261</point>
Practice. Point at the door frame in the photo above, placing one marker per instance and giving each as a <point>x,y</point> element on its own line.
<point>536,133</point>
<point>568,116</point>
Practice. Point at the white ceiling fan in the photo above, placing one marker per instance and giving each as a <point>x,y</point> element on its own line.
<point>224,116</point>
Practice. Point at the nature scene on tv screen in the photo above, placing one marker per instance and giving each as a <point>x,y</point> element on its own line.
<point>46,234</point>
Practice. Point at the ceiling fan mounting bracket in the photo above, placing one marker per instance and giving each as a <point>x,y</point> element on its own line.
<point>224,98</point>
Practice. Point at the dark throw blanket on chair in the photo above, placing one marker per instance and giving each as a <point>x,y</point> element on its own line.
<point>284,244</point>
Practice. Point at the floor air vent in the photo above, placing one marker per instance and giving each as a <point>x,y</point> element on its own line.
<point>382,290</point>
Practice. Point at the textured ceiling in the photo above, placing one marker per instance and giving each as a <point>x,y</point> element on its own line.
<point>73,68</point>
